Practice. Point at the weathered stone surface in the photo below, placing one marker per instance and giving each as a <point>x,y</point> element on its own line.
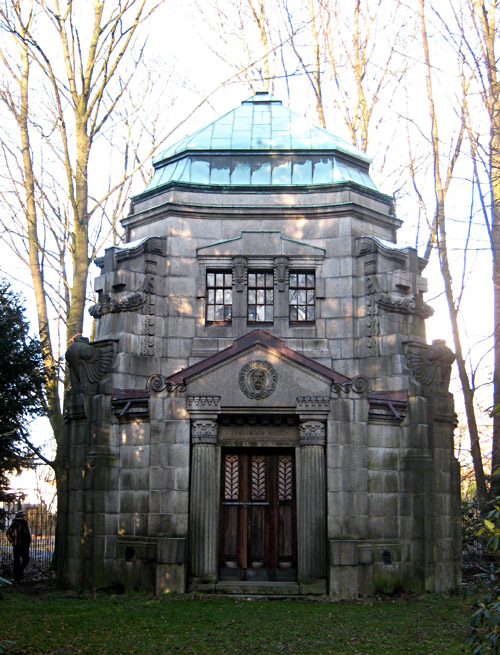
<point>376,493</point>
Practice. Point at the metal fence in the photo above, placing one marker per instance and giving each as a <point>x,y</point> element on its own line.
<point>43,529</point>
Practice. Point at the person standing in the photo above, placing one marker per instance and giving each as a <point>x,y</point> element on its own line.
<point>19,535</point>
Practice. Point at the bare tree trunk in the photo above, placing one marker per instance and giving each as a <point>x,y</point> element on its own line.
<point>480,38</point>
<point>490,28</point>
<point>316,77</point>
<point>80,236</point>
<point>259,17</point>
<point>359,73</point>
<point>83,102</point>
<point>50,368</point>
<point>441,189</point>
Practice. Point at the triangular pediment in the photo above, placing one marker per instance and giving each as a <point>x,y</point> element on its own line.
<point>261,243</point>
<point>258,371</point>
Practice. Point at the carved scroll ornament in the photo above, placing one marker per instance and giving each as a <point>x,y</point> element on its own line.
<point>158,382</point>
<point>358,384</point>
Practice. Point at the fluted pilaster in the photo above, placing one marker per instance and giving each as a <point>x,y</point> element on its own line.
<point>204,500</point>
<point>312,502</point>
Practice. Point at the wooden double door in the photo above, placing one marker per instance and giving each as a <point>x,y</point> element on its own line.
<point>258,515</point>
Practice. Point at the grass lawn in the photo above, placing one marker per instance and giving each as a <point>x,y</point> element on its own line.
<point>63,623</point>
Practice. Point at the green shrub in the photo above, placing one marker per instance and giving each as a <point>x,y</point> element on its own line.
<point>484,634</point>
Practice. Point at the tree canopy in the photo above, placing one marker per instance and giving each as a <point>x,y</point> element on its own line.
<point>21,384</point>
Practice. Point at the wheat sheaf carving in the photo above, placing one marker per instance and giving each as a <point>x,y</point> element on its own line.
<point>258,478</point>
<point>285,477</point>
<point>231,478</point>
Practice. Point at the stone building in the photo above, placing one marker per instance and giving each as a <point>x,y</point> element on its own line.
<point>260,411</point>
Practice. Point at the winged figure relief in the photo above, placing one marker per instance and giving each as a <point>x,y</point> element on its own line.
<point>431,365</point>
<point>88,363</point>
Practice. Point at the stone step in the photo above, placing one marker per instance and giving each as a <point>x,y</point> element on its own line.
<point>258,588</point>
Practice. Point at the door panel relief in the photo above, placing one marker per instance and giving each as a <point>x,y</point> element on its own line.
<point>258,531</point>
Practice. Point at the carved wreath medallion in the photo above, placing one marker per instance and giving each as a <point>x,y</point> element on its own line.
<point>258,380</point>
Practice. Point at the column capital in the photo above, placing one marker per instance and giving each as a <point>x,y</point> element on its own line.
<point>312,433</point>
<point>204,432</point>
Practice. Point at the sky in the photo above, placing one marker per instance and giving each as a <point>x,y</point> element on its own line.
<point>186,70</point>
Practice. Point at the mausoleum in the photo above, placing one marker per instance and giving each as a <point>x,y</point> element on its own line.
<point>260,411</point>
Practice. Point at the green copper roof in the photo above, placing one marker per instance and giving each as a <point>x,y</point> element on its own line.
<point>261,143</point>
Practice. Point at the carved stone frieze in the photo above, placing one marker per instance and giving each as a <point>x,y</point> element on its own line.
<point>404,304</point>
<point>281,273</point>
<point>258,380</point>
<point>372,319</point>
<point>378,299</point>
<point>148,332</point>
<point>431,365</point>
<point>88,362</point>
<point>313,403</point>
<point>204,432</point>
<point>396,301</point>
<point>108,305</point>
<point>239,273</point>
<point>312,433</point>
<point>203,403</point>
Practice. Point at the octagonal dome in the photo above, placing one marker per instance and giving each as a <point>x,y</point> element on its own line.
<point>261,144</point>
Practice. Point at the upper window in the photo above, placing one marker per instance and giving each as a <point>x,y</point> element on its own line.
<point>260,297</point>
<point>219,297</point>
<point>302,297</point>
